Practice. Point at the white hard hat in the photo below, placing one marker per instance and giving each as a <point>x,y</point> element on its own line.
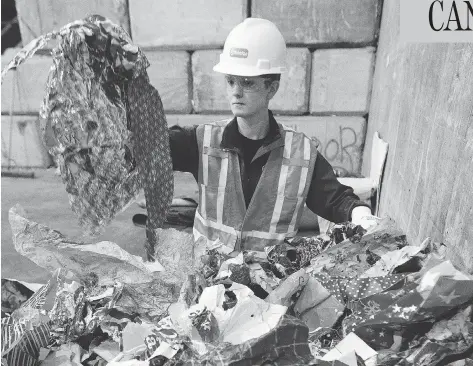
<point>254,47</point>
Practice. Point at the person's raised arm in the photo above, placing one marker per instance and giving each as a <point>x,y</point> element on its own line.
<point>184,149</point>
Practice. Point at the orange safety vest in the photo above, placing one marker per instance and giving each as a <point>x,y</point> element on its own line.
<point>275,209</point>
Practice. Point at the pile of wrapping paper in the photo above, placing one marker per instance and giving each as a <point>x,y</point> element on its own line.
<point>338,299</point>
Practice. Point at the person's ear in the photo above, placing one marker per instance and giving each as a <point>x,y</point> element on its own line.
<point>273,88</point>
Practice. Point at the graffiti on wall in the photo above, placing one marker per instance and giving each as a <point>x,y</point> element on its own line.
<point>341,146</point>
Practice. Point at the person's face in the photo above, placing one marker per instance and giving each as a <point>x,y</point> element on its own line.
<point>249,96</point>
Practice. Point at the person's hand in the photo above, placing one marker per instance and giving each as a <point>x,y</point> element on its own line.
<point>362,216</point>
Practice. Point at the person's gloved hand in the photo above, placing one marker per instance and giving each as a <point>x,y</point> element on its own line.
<point>361,215</point>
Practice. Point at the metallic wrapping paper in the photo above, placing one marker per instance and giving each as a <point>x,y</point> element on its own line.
<point>104,124</point>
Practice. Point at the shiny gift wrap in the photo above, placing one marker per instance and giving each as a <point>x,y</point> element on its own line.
<point>104,123</point>
<point>52,316</point>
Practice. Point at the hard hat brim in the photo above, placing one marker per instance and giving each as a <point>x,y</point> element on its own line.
<point>245,70</point>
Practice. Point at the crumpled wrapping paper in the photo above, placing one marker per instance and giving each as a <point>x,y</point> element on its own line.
<point>241,269</point>
<point>25,348</point>
<point>14,294</point>
<point>148,288</point>
<point>104,123</point>
<point>150,300</point>
<point>178,253</point>
<point>58,321</point>
<point>53,315</point>
<point>232,324</point>
<point>51,250</point>
<point>409,318</point>
<point>352,259</point>
<point>67,355</point>
<point>248,332</point>
<point>215,332</point>
<point>449,337</point>
<point>285,345</point>
<point>426,300</point>
<point>407,303</point>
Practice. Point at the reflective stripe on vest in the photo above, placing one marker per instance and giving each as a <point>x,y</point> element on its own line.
<point>277,203</point>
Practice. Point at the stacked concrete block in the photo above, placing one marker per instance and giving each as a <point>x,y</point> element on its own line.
<point>23,88</point>
<point>169,74</point>
<point>184,23</point>
<point>22,145</point>
<point>37,17</point>
<point>22,93</point>
<point>210,89</point>
<point>341,80</point>
<point>321,21</point>
<point>293,94</point>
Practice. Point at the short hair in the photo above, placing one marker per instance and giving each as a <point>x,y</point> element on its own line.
<point>272,77</point>
<point>269,78</point>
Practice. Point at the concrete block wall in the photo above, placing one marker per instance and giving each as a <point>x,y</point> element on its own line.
<point>321,21</point>
<point>341,80</point>
<point>422,106</point>
<point>22,143</point>
<point>185,24</point>
<point>37,17</point>
<point>22,94</point>
<point>169,74</point>
<point>331,53</point>
<point>23,88</point>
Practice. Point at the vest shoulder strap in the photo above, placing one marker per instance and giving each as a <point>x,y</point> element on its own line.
<point>207,132</point>
<point>302,138</point>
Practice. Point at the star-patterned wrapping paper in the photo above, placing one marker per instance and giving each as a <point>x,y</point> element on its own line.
<point>107,133</point>
<point>392,309</point>
<point>350,290</point>
<point>393,312</point>
<point>448,339</point>
<point>324,299</point>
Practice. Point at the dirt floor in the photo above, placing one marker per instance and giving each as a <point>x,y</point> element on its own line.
<point>45,200</point>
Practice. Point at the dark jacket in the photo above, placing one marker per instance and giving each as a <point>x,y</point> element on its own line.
<point>327,197</point>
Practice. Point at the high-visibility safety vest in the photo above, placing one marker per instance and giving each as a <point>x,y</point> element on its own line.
<point>276,207</point>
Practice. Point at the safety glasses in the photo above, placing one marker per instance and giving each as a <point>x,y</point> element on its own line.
<point>248,84</point>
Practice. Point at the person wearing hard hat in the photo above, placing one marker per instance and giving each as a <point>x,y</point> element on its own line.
<point>254,174</point>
